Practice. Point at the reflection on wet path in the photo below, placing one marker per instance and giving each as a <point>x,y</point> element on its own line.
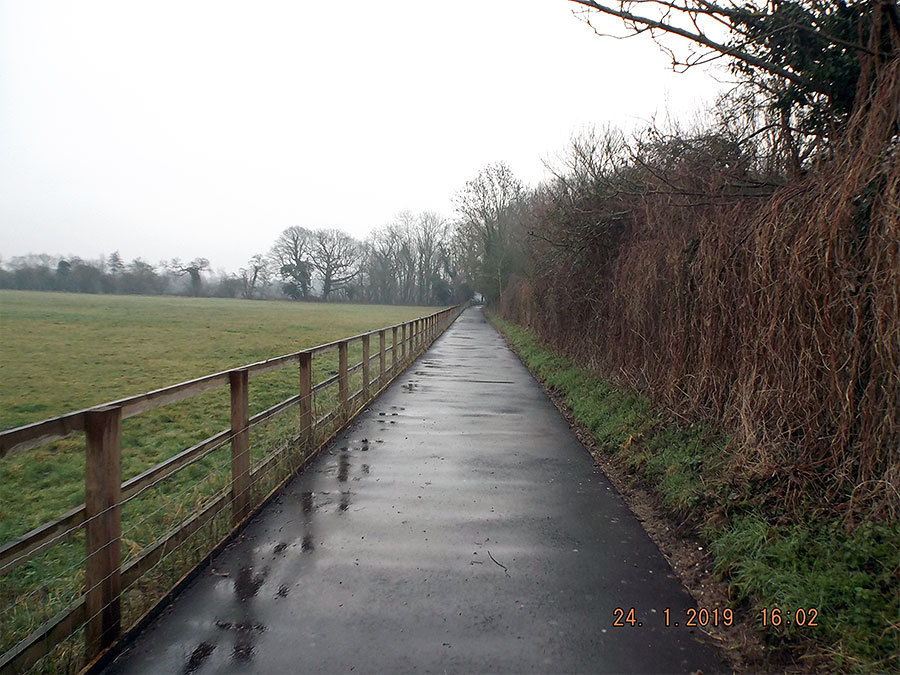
<point>343,466</point>
<point>241,628</point>
<point>198,656</point>
<point>247,584</point>
<point>462,531</point>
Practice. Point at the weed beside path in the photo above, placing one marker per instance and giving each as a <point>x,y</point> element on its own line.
<point>819,588</point>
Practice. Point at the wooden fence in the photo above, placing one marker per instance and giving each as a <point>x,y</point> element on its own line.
<point>98,608</point>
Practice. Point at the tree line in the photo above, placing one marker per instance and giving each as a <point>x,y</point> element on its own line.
<point>801,69</point>
<point>418,258</point>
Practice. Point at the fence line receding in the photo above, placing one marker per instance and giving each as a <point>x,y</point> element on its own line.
<point>98,592</point>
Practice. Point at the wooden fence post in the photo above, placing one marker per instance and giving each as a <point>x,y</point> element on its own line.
<point>381,359</point>
<point>240,445</point>
<point>365,367</point>
<point>343,388</point>
<point>306,429</point>
<point>394,352</point>
<point>403,342</point>
<point>103,527</point>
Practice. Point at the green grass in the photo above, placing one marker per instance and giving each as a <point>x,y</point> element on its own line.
<point>63,352</point>
<point>851,579</point>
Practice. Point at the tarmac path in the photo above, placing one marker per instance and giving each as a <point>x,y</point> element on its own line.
<point>457,525</point>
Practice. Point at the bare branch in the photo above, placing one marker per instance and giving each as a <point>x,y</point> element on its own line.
<point>702,39</point>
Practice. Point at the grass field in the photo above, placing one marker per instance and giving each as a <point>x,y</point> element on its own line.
<point>63,352</point>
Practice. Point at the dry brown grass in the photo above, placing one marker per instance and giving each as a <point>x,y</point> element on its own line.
<point>773,311</point>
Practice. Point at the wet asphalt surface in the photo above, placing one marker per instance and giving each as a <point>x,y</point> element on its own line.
<point>457,526</point>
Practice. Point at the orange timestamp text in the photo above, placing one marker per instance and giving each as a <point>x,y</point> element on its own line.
<point>786,617</point>
<point>691,618</point>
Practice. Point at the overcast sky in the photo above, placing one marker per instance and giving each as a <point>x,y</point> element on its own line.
<point>184,129</point>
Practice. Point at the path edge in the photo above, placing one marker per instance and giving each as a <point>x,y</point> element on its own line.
<point>740,646</point>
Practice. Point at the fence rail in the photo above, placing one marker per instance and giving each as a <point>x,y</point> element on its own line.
<point>106,576</point>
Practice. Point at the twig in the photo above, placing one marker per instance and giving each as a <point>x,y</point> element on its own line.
<point>499,563</point>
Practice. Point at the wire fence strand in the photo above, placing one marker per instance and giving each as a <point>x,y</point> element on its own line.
<point>156,513</point>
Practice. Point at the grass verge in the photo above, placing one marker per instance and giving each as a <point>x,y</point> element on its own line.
<point>825,590</point>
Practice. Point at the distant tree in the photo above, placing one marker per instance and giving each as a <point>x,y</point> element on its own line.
<point>63,268</point>
<point>85,277</point>
<point>380,262</point>
<point>115,264</point>
<point>334,256</point>
<point>254,276</point>
<point>194,270</point>
<point>227,285</point>
<point>32,272</point>
<point>463,292</point>
<point>403,231</point>
<point>290,256</point>
<point>429,235</point>
<point>140,278</point>
<point>490,205</point>
<point>441,293</point>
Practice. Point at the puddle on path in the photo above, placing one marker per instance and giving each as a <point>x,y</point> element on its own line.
<point>197,657</point>
<point>247,584</point>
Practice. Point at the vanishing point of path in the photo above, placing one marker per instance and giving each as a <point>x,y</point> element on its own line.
<point>458,525</point>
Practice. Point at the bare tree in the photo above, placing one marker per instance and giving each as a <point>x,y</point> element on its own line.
<point>192,269</point>
<point>462,261</point>
<point>490,205</point>
<point>255,276</point>
<point>811,60</point>
<point>381,262</point>
<point>406,260</point>
<point>334,256</point>
<point>290,256</point>
<point>405,256</point>
<point>430,233</point>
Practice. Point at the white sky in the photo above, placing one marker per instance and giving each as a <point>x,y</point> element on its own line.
<point>184,129</point>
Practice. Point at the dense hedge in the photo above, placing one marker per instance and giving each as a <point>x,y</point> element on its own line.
<point>775,309</point>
